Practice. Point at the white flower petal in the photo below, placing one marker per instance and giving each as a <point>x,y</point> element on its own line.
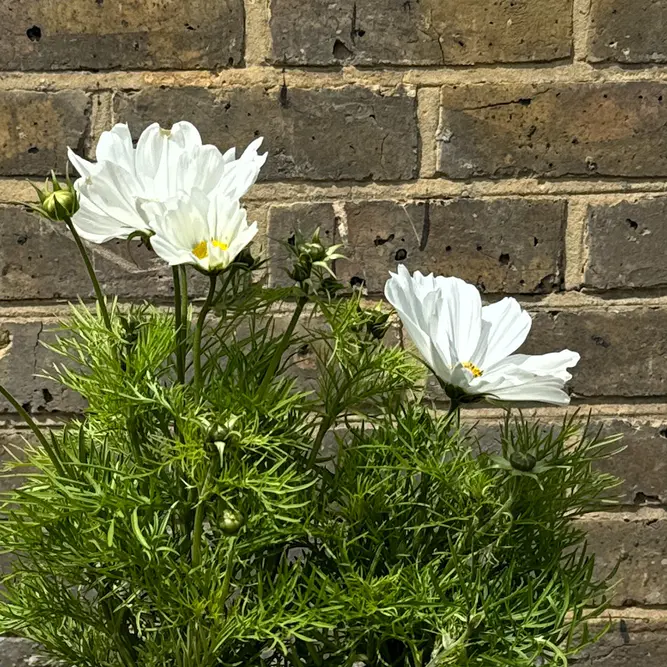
<point>116,146</point>
<point>85,168</point>
<point>535,390</point>
<point>554,364</point>
<point>108,194</point>
<point>505,326</point>
<point>185,135</point>
<point>463,323</point>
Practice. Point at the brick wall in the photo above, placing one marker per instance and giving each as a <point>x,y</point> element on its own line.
<point>519,144</point>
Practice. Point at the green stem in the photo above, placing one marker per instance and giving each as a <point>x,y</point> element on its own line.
<point>197,534</point>
<point>196,343</point>
<point>185,309</point>
<point>101,300</point>
<point>282,346</point>
<point>35,429</point>
<point>455,411</point>
<point>178,314</point>
<point>327,421</point>
<point>224,592</point>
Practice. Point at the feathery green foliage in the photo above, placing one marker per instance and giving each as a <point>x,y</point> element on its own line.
<point>297,506</point>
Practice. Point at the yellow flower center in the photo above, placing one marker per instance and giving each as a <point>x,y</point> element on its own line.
<point>200,251</point>
<point>165,133</point>
<point>476,372</point>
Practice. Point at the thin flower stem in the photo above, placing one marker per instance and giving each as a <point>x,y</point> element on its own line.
<point>455,411</point>
<point>35,429</point>
<point>196,343</point>
<point>282,346</point>
<point>325,425</point>
<point>101,299</point>
<point>197,534</point>
<point>224,592</point>
<point>185,322</point>
<point>178,313</point>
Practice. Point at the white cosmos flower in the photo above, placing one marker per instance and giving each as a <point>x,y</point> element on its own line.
<point>469,347</point>
<point>164,164</point>
<point>207,231</point>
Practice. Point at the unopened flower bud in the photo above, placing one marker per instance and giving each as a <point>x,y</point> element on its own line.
<point>300,273</point>
<point>522,462</point>
<point>60,203</point>
<point>232,522</point>
<point>314,251</point>
<point>378,324</point>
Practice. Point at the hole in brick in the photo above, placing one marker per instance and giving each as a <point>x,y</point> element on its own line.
<point>479,248</point>
<point>525,101</point>
<point>504,259</point>
<point>535,240</point>
<point>34,33</point>
<point>304,349</point>
<point>663,432</point>
<point>632,224</point>
<point>598,340</point>
<point>27,406</point>
<point>401,254</point>
<point>48,397</point>
<point>380,241</point>
<point>292,240</point>
<point>189,27</point>
<point>340,51</point>
<point>361,33</point>
<point>5,338</point>
<point>448,248</point>
<point>642,499</point>
<point>33,150</point>
<point>356,281</point>
<point>21,239</point>
<point>230,62</point>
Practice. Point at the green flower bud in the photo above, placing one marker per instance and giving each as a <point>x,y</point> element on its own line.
<point>232,522</point>
<point>522,462</point>
<point>60,204</point>
<point>314,251</point>
<point>300,273</point>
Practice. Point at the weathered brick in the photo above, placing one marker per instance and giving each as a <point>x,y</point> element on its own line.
<point>426,32</point>
<point>626,244</point>
<point>283,222</point>
<point>641,466</point>
<point>343,133</point>
<point>16,652</point>
<point>39,260</point>
<point>628,32</point>
<point>154,34</point>
<point>26,358</point>
<point>38,128</point>
<point>623,352</point>
<point>550,130</point>
<point>636,543</point>
<point>502,245</point>
<point>630,641</point>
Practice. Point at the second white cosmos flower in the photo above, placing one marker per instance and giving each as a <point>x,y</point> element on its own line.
<point>470,348</point>
<point>207,231</point>
<point>164,164</point>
